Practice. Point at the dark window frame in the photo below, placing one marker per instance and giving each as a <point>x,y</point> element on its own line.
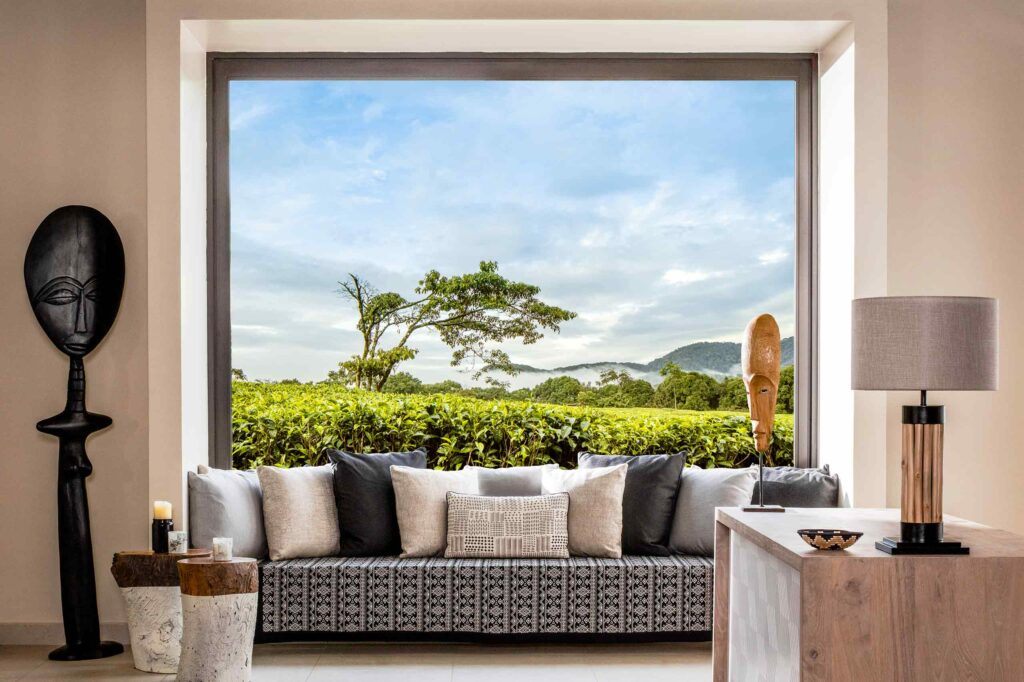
<point>223,67</point>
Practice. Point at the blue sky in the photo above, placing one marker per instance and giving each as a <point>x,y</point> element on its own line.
<point>661,212</point>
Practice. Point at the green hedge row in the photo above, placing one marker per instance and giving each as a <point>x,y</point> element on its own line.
<point>289,425</point>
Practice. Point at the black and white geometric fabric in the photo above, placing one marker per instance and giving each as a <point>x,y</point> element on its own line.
<point>531,527</point>
<point>634,594</point>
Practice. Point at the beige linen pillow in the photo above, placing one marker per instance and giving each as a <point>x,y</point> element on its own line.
<point>514,527</point>
<point>421,500</point>
<point>299,511</point>
<point>595,508</point>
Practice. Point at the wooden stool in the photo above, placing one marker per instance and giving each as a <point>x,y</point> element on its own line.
<point>152,602</point>
<point>218,601</point>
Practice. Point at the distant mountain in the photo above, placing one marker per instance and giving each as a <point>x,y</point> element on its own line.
<point>718,359</point>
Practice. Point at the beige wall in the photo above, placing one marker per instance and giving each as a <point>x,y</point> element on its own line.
<point>72,130</point>
<point>74,90</point>
<point>956,222</point>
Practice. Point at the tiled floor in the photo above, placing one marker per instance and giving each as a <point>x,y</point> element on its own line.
<point>682,662</point>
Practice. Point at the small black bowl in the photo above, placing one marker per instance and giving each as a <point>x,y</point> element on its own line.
<point>829,538</point>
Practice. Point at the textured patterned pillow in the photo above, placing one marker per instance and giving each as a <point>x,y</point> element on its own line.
<point>508,527</point>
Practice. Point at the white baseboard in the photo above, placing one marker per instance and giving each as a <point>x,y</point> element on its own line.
<point>52,634</point>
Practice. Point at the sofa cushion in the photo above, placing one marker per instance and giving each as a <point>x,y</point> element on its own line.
<point>595,508</point>
<point>700,491</point>
<point>513,527</point>
<point>634,594</point>
<point>227,504</point>
<point>510,481</point>
<point>798,487</point>
<point>299,511</point>
<point>421,500</point>
<point>649,501</point>
<point>365,498</point>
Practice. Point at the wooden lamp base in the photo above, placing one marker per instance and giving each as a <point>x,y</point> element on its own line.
<point>921,493</point>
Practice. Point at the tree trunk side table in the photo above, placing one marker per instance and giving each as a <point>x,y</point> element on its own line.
<point>218,600</point>
<point>152,602</point>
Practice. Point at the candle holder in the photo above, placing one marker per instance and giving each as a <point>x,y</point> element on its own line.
<point>177,542</point>
<point>161,527</point>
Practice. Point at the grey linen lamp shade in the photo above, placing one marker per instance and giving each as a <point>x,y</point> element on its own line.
<point>932,343</point>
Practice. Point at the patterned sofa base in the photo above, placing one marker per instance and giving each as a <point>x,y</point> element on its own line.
<point>636,597</point>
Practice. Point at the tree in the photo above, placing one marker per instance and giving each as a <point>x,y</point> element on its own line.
<point>784,404</point>
<point>402,382</point>
<point>563,390</point>
<point>443,387</point>
<point>472,313</point>
<point>617,389</point>
<point>733,394</point>
<point>686,390</point>
<point>238,375</point>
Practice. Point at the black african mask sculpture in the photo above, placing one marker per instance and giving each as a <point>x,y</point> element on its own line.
<point>74,273</point>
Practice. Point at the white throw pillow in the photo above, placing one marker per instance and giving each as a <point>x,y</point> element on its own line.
<point>299,511</point>
<point>510,481</point>
<point>595,507</point>
<point>421,500</point>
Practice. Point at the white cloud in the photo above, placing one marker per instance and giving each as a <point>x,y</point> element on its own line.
<point>249,114</point>
<point>772,257</point>
<point>684,277</point>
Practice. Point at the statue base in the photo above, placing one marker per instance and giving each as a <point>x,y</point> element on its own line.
<point>763,508</point>
<point>86,652</point>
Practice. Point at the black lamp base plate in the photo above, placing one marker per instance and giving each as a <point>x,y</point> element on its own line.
<point>764,508</point>
<point>896,547</point>
<point>87,652</point>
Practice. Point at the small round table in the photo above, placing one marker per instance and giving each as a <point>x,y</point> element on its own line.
<point>218,602</point>
<point>152,602</point>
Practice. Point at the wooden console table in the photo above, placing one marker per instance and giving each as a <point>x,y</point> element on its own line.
<point>785,611</point>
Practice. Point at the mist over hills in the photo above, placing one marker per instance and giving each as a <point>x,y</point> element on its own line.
<point>718,359</point>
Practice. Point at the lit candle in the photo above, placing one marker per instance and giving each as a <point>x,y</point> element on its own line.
<point>222,549</point>
<point>161,510</point>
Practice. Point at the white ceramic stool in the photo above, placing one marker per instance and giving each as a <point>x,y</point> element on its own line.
<point>218,606</point>
<point>152,602</point>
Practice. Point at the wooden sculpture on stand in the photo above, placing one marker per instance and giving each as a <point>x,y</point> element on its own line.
<point>761,358</point>
<point>74,274</point>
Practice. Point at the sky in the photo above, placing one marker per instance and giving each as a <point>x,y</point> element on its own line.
<point>661,212</point>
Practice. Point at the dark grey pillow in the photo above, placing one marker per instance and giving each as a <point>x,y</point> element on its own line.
<point>227,504</point>
<point>365,497</point>
<point>798,487</point>
<point>649,500</point>
<point>510,481</point>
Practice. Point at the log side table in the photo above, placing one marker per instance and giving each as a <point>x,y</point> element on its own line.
<point>152,602</point>
<point>218,600</point>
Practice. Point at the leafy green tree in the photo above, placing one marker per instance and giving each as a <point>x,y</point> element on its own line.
<point>784,405</point>
<point>238,375</point>
<point>472,313</point>
<point>443,388</point>
<point>733,395</point>
<point>686,390</point>
<point>563,390</point>
<point>402,382</point>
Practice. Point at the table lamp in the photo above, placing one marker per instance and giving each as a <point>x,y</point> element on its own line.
<point>924,343</point>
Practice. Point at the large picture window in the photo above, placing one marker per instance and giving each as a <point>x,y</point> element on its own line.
<point>506,258</point>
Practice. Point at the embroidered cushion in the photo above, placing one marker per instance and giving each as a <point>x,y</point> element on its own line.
<point>518,527</point>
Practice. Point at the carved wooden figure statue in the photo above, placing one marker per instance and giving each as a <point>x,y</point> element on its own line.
<point>761,358</point>
<point>74,274</point>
